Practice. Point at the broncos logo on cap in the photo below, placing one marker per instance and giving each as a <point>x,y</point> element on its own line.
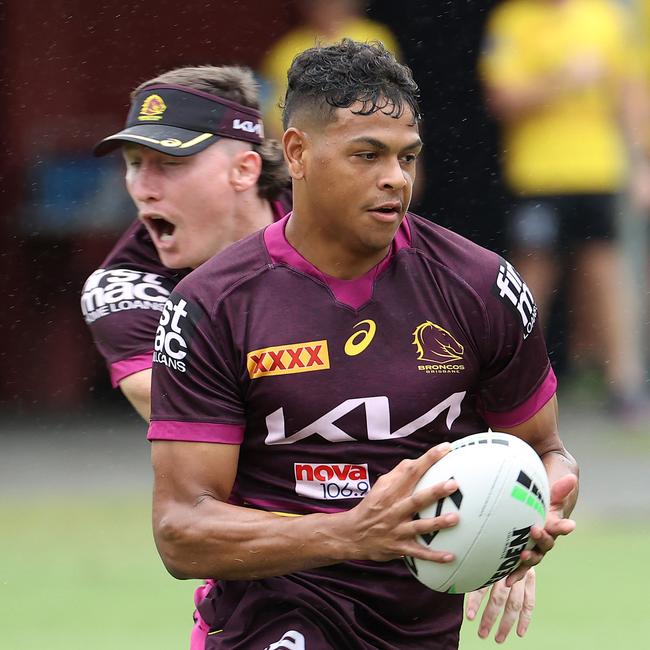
<point>436,344</point>
<point>153,108</point>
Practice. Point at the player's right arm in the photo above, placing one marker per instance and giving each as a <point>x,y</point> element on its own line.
<point>513,87</point>
<point>137,389</point>
<point>122,307</point>
<point>199,534</point>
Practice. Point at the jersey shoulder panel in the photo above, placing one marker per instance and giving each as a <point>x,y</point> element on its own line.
<point>510,313</point>
<point>472,264</point>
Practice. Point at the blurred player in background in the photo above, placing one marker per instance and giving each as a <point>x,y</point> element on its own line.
<point>564,78</point>
<point>323,22</point>
<point>326,362</point>
<point>201,176</point>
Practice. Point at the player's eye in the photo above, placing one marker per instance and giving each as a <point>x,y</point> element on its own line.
<point>409,158</point>
<point>367,155</point>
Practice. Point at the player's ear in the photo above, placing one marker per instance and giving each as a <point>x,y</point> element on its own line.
<point>295,143</point>
<point>245,171</point>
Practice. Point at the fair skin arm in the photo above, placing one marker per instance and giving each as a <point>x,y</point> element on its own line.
<point>199,534</point>
<point>515,595</point>
<point>510,101</point>
<point>137,389</point>
<point>635,101</point>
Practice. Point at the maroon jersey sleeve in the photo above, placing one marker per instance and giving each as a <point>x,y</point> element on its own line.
<point>122,308</point>
<point>195,396</point>
<point>517,378</point>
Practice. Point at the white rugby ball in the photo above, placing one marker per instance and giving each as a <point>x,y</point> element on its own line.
<point>502,492</point>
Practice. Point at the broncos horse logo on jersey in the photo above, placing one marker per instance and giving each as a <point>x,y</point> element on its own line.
<point>436,344</point>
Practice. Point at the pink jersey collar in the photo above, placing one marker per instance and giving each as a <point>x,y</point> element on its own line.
<point>354,293</point>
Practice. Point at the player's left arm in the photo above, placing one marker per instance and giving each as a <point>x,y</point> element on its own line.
<point>632,90</point>
<point>515,595</point>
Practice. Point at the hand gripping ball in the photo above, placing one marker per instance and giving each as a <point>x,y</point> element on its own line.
<point>502,492</point>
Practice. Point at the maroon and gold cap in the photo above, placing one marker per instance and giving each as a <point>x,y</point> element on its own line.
<point>181,121</point>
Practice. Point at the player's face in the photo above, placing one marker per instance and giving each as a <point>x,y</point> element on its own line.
<point>187,204</point>
<point>359,177</point>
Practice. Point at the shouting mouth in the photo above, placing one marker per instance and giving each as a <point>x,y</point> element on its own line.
<point>162,231</point>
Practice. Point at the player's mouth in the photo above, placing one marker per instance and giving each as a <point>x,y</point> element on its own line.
<point>161,230</point>
<point>388,211</point>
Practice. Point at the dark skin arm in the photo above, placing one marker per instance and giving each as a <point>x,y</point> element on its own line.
<point>199,535</point>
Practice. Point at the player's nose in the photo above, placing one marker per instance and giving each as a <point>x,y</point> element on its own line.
<point>144,184</point>
<point>393,175</point>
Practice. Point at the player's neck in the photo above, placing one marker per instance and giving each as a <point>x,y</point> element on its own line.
<point>254,213</point>
<point>329,255</point>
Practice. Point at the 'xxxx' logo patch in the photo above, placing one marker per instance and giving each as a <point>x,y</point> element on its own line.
<point>288,359</point>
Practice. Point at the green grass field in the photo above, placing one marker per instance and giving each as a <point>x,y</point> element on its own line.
<point>85,574</point>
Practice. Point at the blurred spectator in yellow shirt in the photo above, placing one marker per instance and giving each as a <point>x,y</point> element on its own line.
<point>325,22</point>
<point>565,80</point>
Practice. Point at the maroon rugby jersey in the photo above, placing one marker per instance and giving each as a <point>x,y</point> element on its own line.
<point>122,300</point>
<point>326,384</point>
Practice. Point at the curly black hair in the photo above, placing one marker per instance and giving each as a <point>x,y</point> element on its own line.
<point>326,78</point>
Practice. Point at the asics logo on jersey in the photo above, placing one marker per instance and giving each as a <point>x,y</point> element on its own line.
<point>513,291</point>
<point>376,422</point>
<point>288,359</point>
<point>361,339</point>
<point>170,346</point>
<point>437,345</point>
<point>107,292</point>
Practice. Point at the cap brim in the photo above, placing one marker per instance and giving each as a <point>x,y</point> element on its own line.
<point>171,140</point>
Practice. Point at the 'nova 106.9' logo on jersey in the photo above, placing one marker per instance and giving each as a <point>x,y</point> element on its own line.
<point>331,481</point>
<point>174,331</point>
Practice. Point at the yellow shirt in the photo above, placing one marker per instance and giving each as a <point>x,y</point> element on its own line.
<point>642,10</point>
<point>279,58</point>
<point>574,143</point>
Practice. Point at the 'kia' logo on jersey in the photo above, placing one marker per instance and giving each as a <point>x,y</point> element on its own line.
<point>437,345</point>
<point>377,422</point>
<point>288,359</point>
